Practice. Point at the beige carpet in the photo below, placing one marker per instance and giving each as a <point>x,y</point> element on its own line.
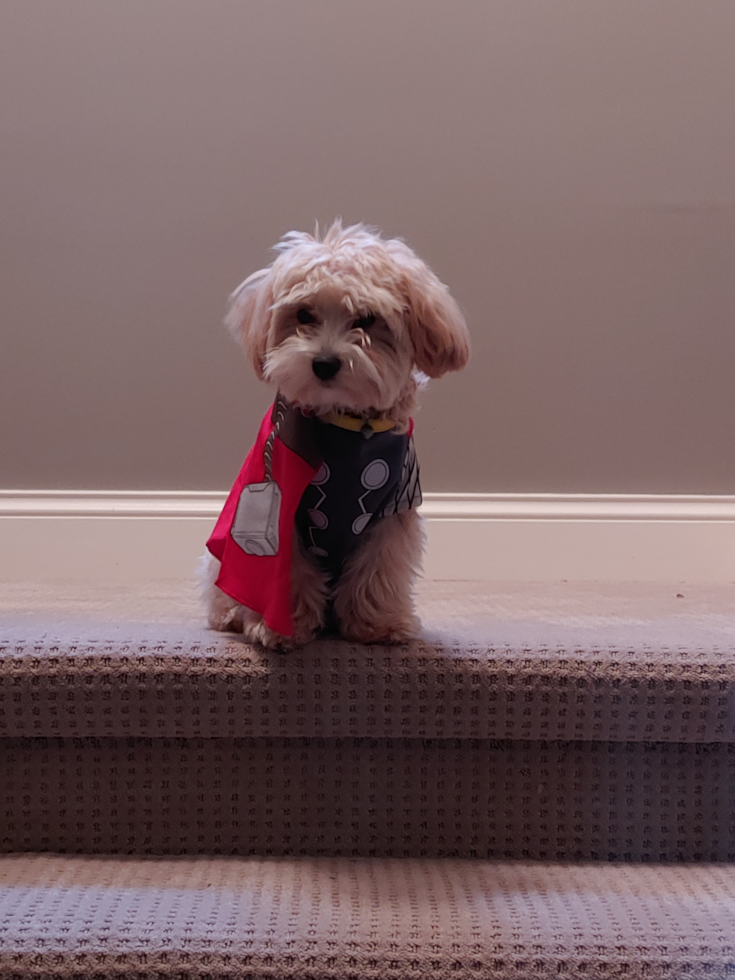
<point>613,613</point>
<point>352,918</point>
<point>426,811</point>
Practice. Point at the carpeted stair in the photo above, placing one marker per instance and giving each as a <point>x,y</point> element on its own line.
<point>542,785</point>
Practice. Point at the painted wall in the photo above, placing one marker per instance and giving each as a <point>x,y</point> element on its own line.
<point>567,166</point>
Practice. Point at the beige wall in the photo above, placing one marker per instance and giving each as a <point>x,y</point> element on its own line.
<point>567,166</point>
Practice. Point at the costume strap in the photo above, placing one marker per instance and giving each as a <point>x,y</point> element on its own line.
<point>278,415</point>
<point>356,424</point>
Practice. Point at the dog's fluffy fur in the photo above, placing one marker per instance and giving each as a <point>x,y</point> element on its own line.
<point>377,309</point>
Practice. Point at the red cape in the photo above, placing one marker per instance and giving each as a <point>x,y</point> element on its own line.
<point>263,582</point>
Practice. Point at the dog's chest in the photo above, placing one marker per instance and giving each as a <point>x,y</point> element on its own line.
<point>360,480</point>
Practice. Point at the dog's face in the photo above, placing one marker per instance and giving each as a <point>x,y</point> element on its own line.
<point>326,356</point>
<point>346,323</point>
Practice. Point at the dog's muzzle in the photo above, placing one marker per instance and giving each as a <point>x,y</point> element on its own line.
<point>325,368</point>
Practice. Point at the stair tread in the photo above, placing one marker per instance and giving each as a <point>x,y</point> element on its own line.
<point>664,613</point>
<point>343,917</point>
<point>575,664</point>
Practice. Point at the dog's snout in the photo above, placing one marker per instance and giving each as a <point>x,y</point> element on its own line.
<point>325,367</point>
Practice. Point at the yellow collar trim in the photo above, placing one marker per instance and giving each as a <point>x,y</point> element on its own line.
<point>355,424</point>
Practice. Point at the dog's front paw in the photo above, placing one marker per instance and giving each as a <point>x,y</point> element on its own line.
<point>254,630</point>
<point>309,591</point>
<point>364,631</point>
<point>224,614</point>
<point>373,600</point>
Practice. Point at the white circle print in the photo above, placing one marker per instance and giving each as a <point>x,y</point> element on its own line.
<point>318,518</point>
<point>360,523</point>
<point>321,475</point>
<point>375,475</point>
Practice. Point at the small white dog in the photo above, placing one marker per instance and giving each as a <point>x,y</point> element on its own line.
<point>321,528</point>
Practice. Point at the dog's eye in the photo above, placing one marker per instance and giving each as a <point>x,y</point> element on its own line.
<point>365,322</point>
<point>303,316</point>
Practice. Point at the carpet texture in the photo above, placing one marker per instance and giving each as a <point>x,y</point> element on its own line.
<point>371,797</point>
<point>541,785</point>
<point>207,685</point>
<point>356,919</point>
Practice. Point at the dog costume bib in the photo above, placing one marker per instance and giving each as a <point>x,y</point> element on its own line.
<point>330,479</point>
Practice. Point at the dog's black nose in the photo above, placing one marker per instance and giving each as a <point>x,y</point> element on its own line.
<point>325,367</point>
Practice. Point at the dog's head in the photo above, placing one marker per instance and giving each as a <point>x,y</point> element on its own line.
<point>346,322</point>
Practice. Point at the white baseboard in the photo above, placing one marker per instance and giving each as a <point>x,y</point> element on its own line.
<point>129,536</point>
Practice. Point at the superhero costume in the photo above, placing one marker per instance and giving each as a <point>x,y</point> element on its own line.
<point>330,479</point>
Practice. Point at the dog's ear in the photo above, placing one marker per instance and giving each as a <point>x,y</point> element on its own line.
<point>249,316</point>
<point>437,329</point>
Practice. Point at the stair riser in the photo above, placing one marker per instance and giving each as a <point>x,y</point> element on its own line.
<point>385,797</point>
<point>215,686</point>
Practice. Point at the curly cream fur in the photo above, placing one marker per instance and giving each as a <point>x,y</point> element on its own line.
<point>374,308</point>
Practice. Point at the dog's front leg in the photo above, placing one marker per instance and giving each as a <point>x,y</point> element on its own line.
<point>308,603</point>
<point>373,599</point>
<point>309,592</point>
<point>228,615</point>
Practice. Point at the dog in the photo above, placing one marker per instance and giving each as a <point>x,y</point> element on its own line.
<point>321,529</point>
